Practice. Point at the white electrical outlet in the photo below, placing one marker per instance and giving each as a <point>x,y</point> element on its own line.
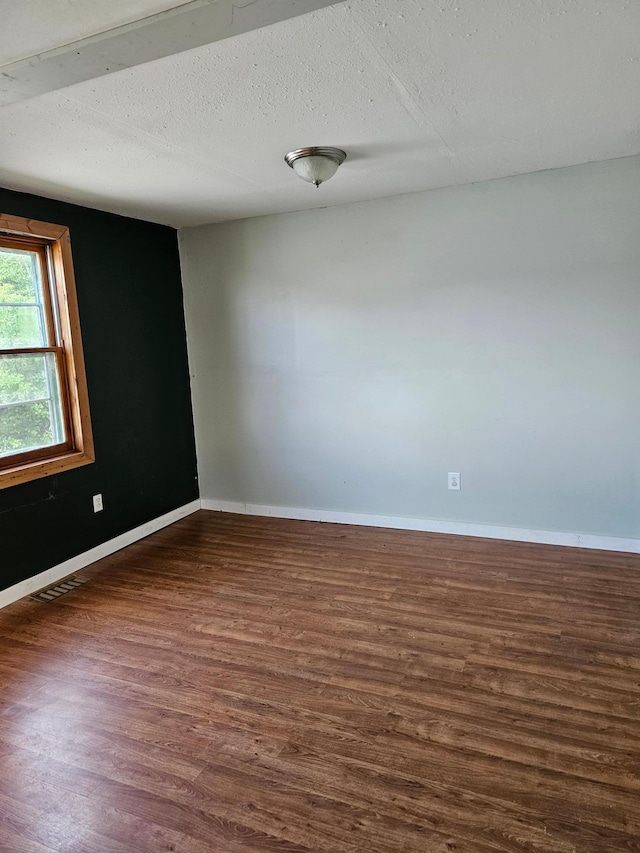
<point>97,503</point>
<point>454,481</point>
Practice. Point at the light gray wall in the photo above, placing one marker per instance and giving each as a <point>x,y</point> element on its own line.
<point>348,358</point>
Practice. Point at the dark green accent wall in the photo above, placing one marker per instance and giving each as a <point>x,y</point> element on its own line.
<point>131,313</point>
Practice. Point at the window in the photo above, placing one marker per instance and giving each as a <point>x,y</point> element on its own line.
<point>45,425</point>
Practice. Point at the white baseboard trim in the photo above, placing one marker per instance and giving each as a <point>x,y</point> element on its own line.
<point>56,573</point>
<point>458,528</point>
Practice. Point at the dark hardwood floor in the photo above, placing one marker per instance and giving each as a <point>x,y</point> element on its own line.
<point>238,684</point>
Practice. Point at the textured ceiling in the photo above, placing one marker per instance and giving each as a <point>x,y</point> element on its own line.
<point>420,94</point>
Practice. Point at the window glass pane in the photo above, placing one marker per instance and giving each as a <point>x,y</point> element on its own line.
<point>24,377</point>
<point>30,403</point>
<point>21,326</point>
<point>21,306</point>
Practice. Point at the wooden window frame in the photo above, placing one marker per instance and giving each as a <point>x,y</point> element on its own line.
<point>53,244</point>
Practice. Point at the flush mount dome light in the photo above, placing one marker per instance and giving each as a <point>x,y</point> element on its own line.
<point>315,165</point>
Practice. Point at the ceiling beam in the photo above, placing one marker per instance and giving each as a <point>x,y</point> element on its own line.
<point>191,25</point>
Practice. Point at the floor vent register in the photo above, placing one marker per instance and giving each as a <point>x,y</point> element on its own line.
<point>51,593</point>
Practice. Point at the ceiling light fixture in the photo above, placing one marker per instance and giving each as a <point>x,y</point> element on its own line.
<point>315,165</point>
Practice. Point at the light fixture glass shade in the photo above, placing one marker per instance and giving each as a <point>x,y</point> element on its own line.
<point>315,165</point>
<point>316,170</point>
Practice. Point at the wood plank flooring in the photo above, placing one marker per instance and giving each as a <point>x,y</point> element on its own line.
<point>237,684</point>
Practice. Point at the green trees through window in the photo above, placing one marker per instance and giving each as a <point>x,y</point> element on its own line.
<point>29,394</point>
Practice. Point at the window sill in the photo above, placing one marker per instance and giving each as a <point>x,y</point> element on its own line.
<point>43,468</point>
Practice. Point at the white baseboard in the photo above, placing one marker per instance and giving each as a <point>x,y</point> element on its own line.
<point>56,573</point>
<point>458,528</point>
